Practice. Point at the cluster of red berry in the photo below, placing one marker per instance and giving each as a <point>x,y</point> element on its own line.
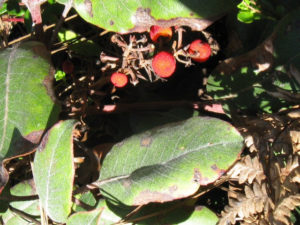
<point>164,62</point>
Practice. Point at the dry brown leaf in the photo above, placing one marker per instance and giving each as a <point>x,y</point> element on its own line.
<point>247,170</point>
<point>282,212</point>
<point>254,202</point>
<point>295,138</point>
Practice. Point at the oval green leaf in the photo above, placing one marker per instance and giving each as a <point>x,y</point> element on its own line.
<point>169,162</point>
<point>25,104</point>
<point>53,171</point>
<point>137,16</point>
<point>88,218</point>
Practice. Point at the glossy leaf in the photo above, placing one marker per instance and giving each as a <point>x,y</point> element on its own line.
<point>30,207</point>
<point>53,171</point>
<point>26,109</point>
<point>89,218</point>
<point>24,70</point>
<point>169,162</point>
<point>247,16</point>
<point>138,16</point>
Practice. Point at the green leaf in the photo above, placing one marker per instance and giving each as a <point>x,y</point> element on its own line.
<point>53,171</point>
<point>90,218</point>
<point>25,105</point>
<point>169,162</point>
<point>59,75</point>
<point>30,207</point>
<point>66,35</point>
<point>14,9</point>
<point>87,198</point>
<point>138,16</point>
<point>245,16</point>
<point>26,108</point>
<point>3,8</point>
<point>110,216</point>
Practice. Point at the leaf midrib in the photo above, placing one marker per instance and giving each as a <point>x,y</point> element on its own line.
<point>124,176</point>
<point>6,101</point>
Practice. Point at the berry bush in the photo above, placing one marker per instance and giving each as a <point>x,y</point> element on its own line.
<point>149,112</point>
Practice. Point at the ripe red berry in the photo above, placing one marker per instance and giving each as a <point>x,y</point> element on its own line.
<point>119,79</point>
<point>164,64</point>
<point>157,31</point>
<point>67,66</point>
<point>199,51</point>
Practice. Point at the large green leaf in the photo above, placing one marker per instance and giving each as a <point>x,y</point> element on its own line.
<point>30,207</point>
<point>25,107</point>
<point>53,171</point>
<point>137,16</point>
<point>169,162</point>
<point>25,104</point>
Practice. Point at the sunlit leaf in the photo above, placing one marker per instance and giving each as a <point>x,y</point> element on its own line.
<point>138,16</point>
<point>169,162</point>
<point>26,108</point>
<point>53,171</point>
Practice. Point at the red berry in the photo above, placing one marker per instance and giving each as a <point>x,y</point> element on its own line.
<point>199,51</point>
<point>164,64</point>
<point>67,67</point>
<point>157,31</point>
<point>119,79</point>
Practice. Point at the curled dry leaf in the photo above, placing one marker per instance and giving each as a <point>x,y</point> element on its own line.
<point>284,180</point>
<point>282,212</point>
<point>255,201</point>
<point>247,169</point>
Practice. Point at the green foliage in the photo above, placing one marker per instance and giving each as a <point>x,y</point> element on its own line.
<point>130,16</point>
<point>147,168</point>
<point>91,217</point>
<point>53,171</point>
<point>248,11</point>
<point>160,161</point>
<point>26,109</point>
<point>25,188</point>
<point>59,75</point>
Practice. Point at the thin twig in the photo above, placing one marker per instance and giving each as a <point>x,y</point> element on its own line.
<point>67,9</point>
<point>250,7</point>
<point>13,198</point>
<point>32,34</point>
<point>44,219</point>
